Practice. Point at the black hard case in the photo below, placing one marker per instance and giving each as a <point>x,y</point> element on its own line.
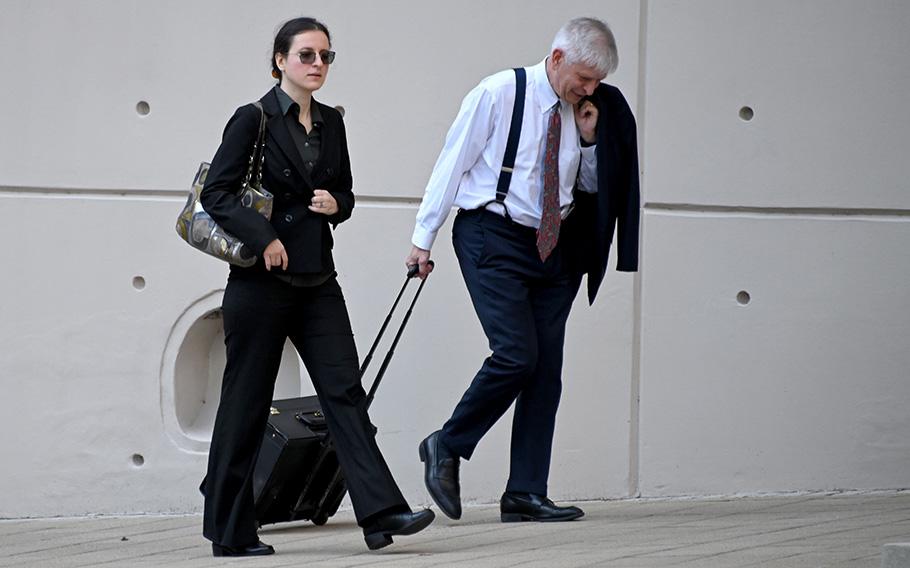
<point>297,474</point>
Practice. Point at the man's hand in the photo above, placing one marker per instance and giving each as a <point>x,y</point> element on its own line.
<point>323,202</point>
<point>275,255</point>
<point>421,258</point>
<point>586,120</point>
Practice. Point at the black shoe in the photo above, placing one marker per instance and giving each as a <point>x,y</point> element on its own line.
<point>258,549</point>
<point>379,532</point>
<point>441,475</point>
<point>515,507</point>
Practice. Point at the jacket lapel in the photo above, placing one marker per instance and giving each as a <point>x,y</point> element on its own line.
<point>329,141</point>
<point>280,136</point>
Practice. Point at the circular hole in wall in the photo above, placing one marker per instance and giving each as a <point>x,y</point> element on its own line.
<point>143,108</point>
<point>746,113</point>
<point>138,460</point>
<point>138,282</point>
<point>743,298</point>
<point>198,371</point>
<point>340,109</point>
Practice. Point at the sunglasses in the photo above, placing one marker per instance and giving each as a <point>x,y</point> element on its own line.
<point>308,57</point>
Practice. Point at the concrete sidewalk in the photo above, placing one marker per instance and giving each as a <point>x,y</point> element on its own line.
<point>837,530</point>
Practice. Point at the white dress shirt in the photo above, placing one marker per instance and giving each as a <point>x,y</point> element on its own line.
<point>467,171</point>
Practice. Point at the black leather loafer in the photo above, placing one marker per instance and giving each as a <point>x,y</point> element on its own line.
<point>441,475</point>
<point>379,533</point>
<point>258,549</point>
<point>517,507</point>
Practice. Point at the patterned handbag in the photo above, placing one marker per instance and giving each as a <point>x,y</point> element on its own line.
<point>197,228</point>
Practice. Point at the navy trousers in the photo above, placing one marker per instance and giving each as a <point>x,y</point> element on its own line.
<point>523,304</point>
<point>260,313</point>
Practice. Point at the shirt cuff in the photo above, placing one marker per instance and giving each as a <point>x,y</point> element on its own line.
<point>423,238</point>
<point>589,155</point>
<point>587,174</point>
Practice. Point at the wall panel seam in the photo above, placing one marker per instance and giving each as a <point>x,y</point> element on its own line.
<point>635,387</point>
<point>670,208</point>
<point>163,195</point>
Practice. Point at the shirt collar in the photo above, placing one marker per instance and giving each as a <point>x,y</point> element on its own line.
<point>315,114</point>
<point>287,104</point>
<point>546,96</point>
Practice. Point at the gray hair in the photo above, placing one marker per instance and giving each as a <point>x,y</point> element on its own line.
<point>588,41</point>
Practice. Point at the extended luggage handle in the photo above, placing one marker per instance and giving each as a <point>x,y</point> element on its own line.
<point>412,272</point>
<point>316,425</point>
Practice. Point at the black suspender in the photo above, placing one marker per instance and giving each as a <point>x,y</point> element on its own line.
<point>508,160</point>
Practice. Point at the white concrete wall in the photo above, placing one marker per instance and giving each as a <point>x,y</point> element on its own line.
<point>671,386</point>
<point>804,207</point>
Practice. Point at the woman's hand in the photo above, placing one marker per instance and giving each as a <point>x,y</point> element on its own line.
<point>275,255</point>
<point>323,202</point>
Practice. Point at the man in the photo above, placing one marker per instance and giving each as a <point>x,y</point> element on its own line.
<point>523,239</point>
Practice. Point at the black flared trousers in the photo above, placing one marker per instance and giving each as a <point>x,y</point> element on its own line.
<point>260,313</point>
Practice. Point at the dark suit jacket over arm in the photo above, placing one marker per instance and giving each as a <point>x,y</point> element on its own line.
<point>615,206</point>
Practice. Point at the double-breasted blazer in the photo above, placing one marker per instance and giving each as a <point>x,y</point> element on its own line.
<point>307,236</point>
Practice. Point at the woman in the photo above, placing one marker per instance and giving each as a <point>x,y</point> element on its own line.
<point>292,292</point>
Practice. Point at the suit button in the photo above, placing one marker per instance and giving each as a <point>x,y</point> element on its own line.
<point>287,195</point>
<point>287,173</point>
<point>288,218</point>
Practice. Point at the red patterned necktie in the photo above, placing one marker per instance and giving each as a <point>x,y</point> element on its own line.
<point>548,233</point>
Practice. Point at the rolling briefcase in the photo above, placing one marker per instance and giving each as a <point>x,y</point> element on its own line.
<point>297,475</point>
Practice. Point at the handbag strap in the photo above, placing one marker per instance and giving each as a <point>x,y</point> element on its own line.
<point>257,156</point>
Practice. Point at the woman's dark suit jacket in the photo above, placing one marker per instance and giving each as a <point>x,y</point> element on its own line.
<point>306,236</point>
